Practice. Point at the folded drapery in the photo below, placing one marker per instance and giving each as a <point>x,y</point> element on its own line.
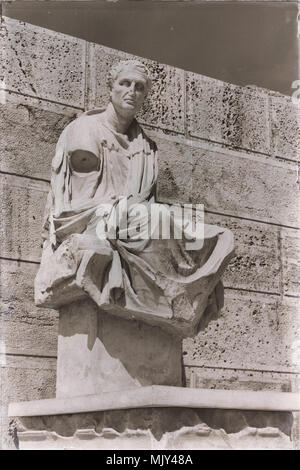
<point>128,270</point>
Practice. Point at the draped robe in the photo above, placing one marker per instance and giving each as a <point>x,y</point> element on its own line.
<point>157,280</point>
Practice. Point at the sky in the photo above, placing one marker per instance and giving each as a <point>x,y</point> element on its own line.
<point>245,43</point>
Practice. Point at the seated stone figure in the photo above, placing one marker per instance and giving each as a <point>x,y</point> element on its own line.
<point>104,160</point>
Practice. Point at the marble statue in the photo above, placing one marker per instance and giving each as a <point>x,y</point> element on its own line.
<point>104,159</point>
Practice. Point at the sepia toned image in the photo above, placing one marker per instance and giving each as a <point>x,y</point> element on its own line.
<point>149,256</point>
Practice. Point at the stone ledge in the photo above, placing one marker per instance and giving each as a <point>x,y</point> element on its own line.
<point>188,438</point>
<point>160,396</point>
<point>156,428</point>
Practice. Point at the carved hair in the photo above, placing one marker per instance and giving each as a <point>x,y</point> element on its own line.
<point>124,64</point>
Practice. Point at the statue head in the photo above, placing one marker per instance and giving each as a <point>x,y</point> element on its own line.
<point>129,83</point>
<point>128,65</point>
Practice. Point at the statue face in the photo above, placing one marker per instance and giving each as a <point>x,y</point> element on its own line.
<point>128,92</point>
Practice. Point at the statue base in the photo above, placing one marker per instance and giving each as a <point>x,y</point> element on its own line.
<point>98,353</point>
<point>136,437</point>
<point>158,418</point>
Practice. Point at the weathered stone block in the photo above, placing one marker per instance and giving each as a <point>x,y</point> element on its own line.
<point>15,99</point>
<point>228,114</point>
<point>158,429</point>
<point>290,254</point>
<point>25,329</point>
<point>100,353</point>
<point>285,122</point>
<point>28,139</point>
<point>23,378</point>
<point>28,378</point>
<point>254,331</point>
<point>22,206</point>
<point>164,106</point>
<point>256,265</point>
<point>239,379</point>
<point>175,165</point>
<point>42,63</point>
<point>228,182</point>
<point>291,277</point>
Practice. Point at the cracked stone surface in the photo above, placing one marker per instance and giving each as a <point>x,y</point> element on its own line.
<point>43,63</point>
<point>162,428</point>
<point>227,113</point>
<point>285,128</point>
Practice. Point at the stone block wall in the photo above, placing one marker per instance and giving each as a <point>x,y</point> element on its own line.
<point>234,149</point>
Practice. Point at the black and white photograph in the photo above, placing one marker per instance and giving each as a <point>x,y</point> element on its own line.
<point>149,228</point>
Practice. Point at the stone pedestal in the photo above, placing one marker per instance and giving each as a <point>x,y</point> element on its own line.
<point>157,429</point>
<point>98,353</point>
<point>158,418</point>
